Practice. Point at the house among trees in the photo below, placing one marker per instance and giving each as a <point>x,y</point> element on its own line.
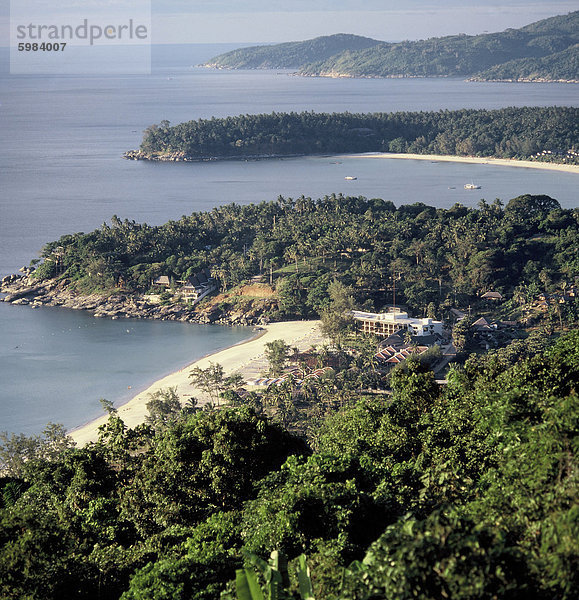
<point>482,325</point>
<point>386,324</point>
<point>194,288</point>
<point>561,297</point>
<point>197,287</point>
<point>163,281</point>
<point>298,377</point>
<point>493,296</point>
<point>391,355</point>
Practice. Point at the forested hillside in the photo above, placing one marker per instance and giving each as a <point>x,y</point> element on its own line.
<point>290,55</point>
<point>507,133</point>
<point>467,491</point>
<point>559,66</point>
<point>543,50</point>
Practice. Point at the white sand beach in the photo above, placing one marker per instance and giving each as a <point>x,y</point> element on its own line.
<point>502,162</point>
<point>246,358</point>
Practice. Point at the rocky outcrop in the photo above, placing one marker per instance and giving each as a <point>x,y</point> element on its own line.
<point>168,157</point>
<point>182,157</point>
<point>26,290</point>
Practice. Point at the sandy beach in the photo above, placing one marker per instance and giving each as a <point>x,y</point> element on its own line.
<point>501,162</point>
<point>246,358</point>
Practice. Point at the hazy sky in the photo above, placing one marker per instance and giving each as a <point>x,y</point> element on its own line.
<point>254,21</point>
<point>285,20</point>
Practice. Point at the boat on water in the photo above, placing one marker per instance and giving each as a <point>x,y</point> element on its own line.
<point>350,178</point>
<point>472,186</point>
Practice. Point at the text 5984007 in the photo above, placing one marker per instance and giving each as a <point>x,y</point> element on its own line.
<point>43,47</point>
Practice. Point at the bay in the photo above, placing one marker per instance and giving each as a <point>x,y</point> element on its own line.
<point>55,364</point>
<point>61,141</point>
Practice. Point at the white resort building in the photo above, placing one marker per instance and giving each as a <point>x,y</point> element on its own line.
<point>386,324</point>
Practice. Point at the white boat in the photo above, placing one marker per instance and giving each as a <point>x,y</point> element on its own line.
<point>472,186</point>
<point>350,178</point>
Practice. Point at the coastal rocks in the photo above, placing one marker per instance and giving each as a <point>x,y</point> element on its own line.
<point>27,270</point>
<point>10,280</point>
<point>182,157</point>
<point>135,155</point>
<point>210,316</point>
<point>26,290</point>
<point>19,294</point>
<point>168,157</point>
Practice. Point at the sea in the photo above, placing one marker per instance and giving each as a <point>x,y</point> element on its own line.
<point>61,171</point>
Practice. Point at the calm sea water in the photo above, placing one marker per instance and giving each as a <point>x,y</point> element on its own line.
<point>61,139</point>
<point>57,363</point>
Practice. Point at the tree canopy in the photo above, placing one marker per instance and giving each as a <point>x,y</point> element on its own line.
<point>466,491</point>
<point>504,133</point>
<point>310,249</point>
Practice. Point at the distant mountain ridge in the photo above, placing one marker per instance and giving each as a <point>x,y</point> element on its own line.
<point>547,50</point>
<point>291,55</point>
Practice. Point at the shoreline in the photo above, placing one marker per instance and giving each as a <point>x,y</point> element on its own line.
<point>500,162</point>
<point>245,357</point>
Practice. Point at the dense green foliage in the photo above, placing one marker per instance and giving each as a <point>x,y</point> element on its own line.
<point>467,491</point>
<point>541,50</point>
<point>559,66</point>
<point>290,55</point>
<point>507,133</point>
<point>446,257</point>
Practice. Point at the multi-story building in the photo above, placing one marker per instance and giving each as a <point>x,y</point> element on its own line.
<point>386,324</point>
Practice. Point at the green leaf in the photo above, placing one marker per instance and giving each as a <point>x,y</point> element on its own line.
<point>247,586</point>
<point>305,583</point>
<point>278,562</point>
<point>256,561</point>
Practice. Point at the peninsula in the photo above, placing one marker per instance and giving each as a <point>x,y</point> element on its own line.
<point>276,261</point>
<point>541,134</point>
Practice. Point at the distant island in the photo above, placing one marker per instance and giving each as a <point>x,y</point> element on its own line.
<point>534,133</point>
<point>544,51</point>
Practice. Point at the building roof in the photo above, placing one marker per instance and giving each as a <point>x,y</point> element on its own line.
<point>395,318</point>
<point>507,323</point>
<point>492,296</point>
<point>482,322</point>
<point>427,340</point>
<point>395,339</point>
<point>397,355</point>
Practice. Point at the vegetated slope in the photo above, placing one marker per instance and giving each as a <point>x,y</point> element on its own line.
<point>439,256</point>
<point>509,132</point>
<point>290,55</point>
<point>467,491</point>
<point>541,47</point>
<point>560,66</point>
<point>462,55</point>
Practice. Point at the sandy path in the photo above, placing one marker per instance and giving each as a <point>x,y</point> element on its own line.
<point>246,358</point>
<point>502,162</point>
